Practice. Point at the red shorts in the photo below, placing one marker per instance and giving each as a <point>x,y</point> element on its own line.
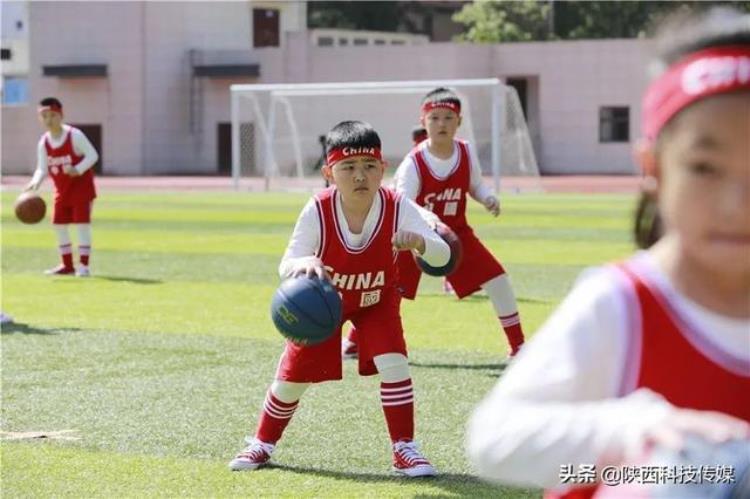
<point>477,267</point>
<point>76,213</point>
<point>379,332</point>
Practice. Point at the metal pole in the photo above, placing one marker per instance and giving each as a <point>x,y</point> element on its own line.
<point>496,134</point>
<point>236,170</point>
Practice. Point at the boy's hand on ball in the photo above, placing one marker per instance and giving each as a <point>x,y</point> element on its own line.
<point>492,205</point>
<point>311,269</point>
<point>405,240</point>
<point>70,170</point>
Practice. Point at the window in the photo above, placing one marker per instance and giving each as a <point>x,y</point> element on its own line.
<point>6,54</point>
<point>15,91</point>
<point>343,42</point>
<point>360,41</point>
<point>398,42</point>
<point>614,124</point>
<point>379,42</point>
<point>325,41</point>
<point>265,27</point>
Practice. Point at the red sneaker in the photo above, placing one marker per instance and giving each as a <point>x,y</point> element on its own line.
<point>349,349</point>
<point>407,460</point>
<point>61,270</point>
<point>255,455</point>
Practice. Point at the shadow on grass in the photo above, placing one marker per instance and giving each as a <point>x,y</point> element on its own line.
<point>483,297</point>
<point>111,278</point>
<point>134,280</point>
<point>477,297</point>
<point>452,483</point>
<point>20,327</point>
<point>497,368</point>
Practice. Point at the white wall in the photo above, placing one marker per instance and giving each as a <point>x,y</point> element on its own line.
<point>144,103</point>
<point>575,79</point>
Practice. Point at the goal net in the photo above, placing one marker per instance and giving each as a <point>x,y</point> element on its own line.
<point>278,130</point>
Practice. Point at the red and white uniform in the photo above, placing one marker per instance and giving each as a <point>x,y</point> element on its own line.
<point>365,273</point>
<point>73,195</point>
<point>626,348</point>
<point>444,193</point>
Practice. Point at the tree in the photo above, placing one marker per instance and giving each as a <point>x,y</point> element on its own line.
<point>492,21</point>
<point>374,16</point>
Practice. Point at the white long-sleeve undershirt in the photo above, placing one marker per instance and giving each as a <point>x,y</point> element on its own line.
<point>560,402</point>
<point>305,240</point>
<point>407,180</point>
<point>81,146</point>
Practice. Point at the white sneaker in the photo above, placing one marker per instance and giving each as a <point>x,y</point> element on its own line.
<point>83,271</point>
<point>5,318</point>
<point>255,455</point>
<point>407,460</point>
<point>349,349</point>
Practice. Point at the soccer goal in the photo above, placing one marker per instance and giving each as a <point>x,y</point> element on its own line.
<point>277,130</point>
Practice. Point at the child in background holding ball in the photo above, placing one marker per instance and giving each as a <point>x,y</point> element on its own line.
<point>349,234</point>
<point>67,156</point>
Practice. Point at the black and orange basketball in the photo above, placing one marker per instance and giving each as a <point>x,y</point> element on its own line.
<point>30,208</point>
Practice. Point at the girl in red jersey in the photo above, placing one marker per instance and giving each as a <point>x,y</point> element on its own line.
<point>65,154</point>
<point>344,233</point>
<point>657,348</point>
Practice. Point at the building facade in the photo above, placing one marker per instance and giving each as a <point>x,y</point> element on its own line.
<point>149,81</point>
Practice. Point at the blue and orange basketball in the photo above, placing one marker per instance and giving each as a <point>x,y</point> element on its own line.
<point>454,242</point>
<point>306,310</point>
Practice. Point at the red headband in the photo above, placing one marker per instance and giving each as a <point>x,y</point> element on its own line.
<point>429,106</point>
<point>50,107</point>
<point>340,153</point>
<point>699,75</point>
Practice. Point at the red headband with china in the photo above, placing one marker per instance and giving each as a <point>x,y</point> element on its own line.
<point>341,153</point>
<point>50,107</point>
<point>429,106</point>
<point>701,74</point>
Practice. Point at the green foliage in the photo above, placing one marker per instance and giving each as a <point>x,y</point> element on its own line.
<point>490,21</point>
<point>366,15</point>
<point>493,21</point>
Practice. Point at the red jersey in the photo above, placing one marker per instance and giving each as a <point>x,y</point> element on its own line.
<point>363,276</point>
<point>446,197</point>
<point>70,190</point>
<point>675,361</point>
<point>667,356</point>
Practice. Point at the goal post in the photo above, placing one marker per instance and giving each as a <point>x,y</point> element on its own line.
<point>277,128</point>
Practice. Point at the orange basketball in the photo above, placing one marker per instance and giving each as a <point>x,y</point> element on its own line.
<point>30,208</point>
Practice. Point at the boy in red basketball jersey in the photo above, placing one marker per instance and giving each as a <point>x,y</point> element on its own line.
<point>654,351</point>
<point>65,154</point>
<point>438,174</point>
<point>349,348</point>
<point>349,234</point>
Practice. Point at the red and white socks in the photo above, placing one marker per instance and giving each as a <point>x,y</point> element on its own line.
<point>66,255</point>
<point>84,247</point>
<point>274,418</point>
<point>65,247</point>
<point>503,301</point>
<point>398,407</point>
<point>513,331</point>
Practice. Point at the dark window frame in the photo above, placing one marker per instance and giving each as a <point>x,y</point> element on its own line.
<point>614,124</point>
